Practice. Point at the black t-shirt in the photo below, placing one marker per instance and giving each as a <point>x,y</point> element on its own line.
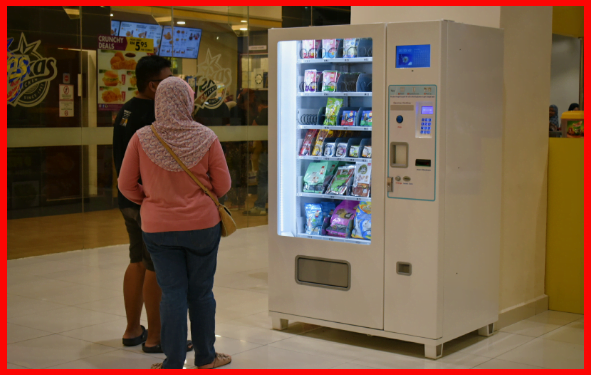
<point>213,117</point>
<point>134,115</point>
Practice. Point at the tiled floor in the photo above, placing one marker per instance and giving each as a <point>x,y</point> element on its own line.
<point>66,311</point>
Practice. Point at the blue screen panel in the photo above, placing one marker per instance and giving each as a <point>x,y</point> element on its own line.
<point>427,110</point>
<point>418,56</point>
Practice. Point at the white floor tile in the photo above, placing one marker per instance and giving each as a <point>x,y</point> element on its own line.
<point>547,354</point>
<point>11,366</point>
<point>499,343</point>
<point>39,288</point>
<point>64,319</point>
<point>567,334</point>
<point>555,317</point>
<point>500,364</point>
<point>20,306</point>
<point>114,305</point>
<point>108,334</point>
<point>52,350</point>
<point>118,359</point>
<point>352,366</point>
<point>529,328</point>
<point>462,359</point>
<point>43,267</point>
<point>309,345</point>
<point>267,357</point>
<point>250,334</point>
<point>19,333</point>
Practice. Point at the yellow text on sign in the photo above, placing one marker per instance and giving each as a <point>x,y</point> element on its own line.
<point>140,45</point>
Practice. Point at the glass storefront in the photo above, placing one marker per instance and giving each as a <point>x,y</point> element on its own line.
<point>62,191</point>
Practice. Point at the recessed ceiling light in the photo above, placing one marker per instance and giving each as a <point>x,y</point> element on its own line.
<point>180,22</point>
<point>243,21</point>
<point>244,28</point>
<point>111,14</point>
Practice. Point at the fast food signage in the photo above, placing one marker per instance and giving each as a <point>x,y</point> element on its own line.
<point>117,58</point>
<point>28,73</point>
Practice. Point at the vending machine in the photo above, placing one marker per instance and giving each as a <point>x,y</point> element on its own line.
<point>385,192</point>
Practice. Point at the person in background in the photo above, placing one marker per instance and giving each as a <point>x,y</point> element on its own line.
<point>260,205</point>
<point>180,222</point>
<point>554,120</point>
<point>139,284</point>
<point>574,107</point>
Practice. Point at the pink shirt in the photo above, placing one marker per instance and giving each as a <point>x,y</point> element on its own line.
<point>172,201</point>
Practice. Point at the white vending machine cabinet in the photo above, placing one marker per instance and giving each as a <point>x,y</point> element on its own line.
<point>415,110</point>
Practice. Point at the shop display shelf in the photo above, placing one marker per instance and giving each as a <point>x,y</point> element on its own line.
<point>347,159</point>
<point>342,60</point>
<point>335,197</point>
<point>335,94</point>
<point>334,127</point>
<point>334,239</point>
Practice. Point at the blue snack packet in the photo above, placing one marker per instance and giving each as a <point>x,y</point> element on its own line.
<point>362,224</point>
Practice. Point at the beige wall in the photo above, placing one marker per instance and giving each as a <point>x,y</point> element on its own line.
<point>528,42</point>
<point>482,16</point>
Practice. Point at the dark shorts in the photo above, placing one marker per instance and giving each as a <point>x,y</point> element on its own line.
<point>137,248</point>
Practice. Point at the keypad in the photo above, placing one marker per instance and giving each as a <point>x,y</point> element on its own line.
<point>426,125</point>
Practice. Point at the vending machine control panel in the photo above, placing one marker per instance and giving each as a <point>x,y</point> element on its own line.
<point>412,139</point>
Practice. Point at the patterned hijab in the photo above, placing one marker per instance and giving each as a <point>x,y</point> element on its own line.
<point>554,119</point>
<point>189,140</point>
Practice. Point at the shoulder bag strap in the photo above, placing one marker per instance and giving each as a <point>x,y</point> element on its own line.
<point>213,197</point>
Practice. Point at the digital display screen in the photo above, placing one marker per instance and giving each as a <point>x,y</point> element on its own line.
<point>418,56</point>
<point>427,110</point>
<point>115,27</point>
<point>142,30</point>
<point>180,42</point>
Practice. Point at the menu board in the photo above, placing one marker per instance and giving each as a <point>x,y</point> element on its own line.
<point>142,30</point>
<point>116,81</point>
<point>180,42</point>
<point>115,27</point>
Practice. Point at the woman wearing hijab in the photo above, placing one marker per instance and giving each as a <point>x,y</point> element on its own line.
<point>574,107</point>
<point>554,121</point>
<point>180,223</point>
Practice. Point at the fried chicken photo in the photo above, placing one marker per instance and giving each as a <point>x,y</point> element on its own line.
<point>110,96</point>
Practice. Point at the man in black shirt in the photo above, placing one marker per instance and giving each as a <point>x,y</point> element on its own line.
<point>139,284</point>
<point>260,205</point>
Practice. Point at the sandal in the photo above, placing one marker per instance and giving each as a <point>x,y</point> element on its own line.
<point>158,348</point>
<point>137,340</point>
<point>156,366</point>
<point>220,359</point>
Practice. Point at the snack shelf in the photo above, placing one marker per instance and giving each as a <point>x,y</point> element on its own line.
<point>347,60</point>
<point>335,197</point>
<point>335,93</point>
<point>337,127</point>
<point>335,239</point>
<point>352,160</point>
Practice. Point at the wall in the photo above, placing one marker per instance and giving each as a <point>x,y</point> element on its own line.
<point>482,16</point>
<point>566,63</point>
<point>527,52</point>
<point>568,21</point>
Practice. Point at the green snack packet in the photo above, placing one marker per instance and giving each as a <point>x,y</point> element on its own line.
<point>317,174</point>
<point>342,180</point>
<point>333,105</point>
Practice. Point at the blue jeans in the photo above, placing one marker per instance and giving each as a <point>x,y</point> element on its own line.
<point>185,264</point>
<point>263,181</point>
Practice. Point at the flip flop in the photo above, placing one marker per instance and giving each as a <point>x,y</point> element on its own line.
<point>137,340</point>
<point>158,348</point>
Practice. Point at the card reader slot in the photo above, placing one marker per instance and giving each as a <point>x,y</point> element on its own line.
<point>423,163</point>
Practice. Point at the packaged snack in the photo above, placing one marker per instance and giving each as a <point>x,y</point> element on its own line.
<point>362,221</point>
<point>341,150</point>
<point>348,118</point>
<point>365,118</point>
<point>329,149</point>
<point>330,48</point>
<point>310,49</point>
<point>366,153</point>
<point>307,145</point>
<point>314,178</point>
<point>362,180</point>
<point>342,180</point>
<point>314,218</point>
<point>310,80</point>
<point>329,80</point>
<point>351,46</point>
<point>318,175</point>
<point>322,135</point>
<point>333,105</point>
<point>341,219</point>
<point>354,151</point>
